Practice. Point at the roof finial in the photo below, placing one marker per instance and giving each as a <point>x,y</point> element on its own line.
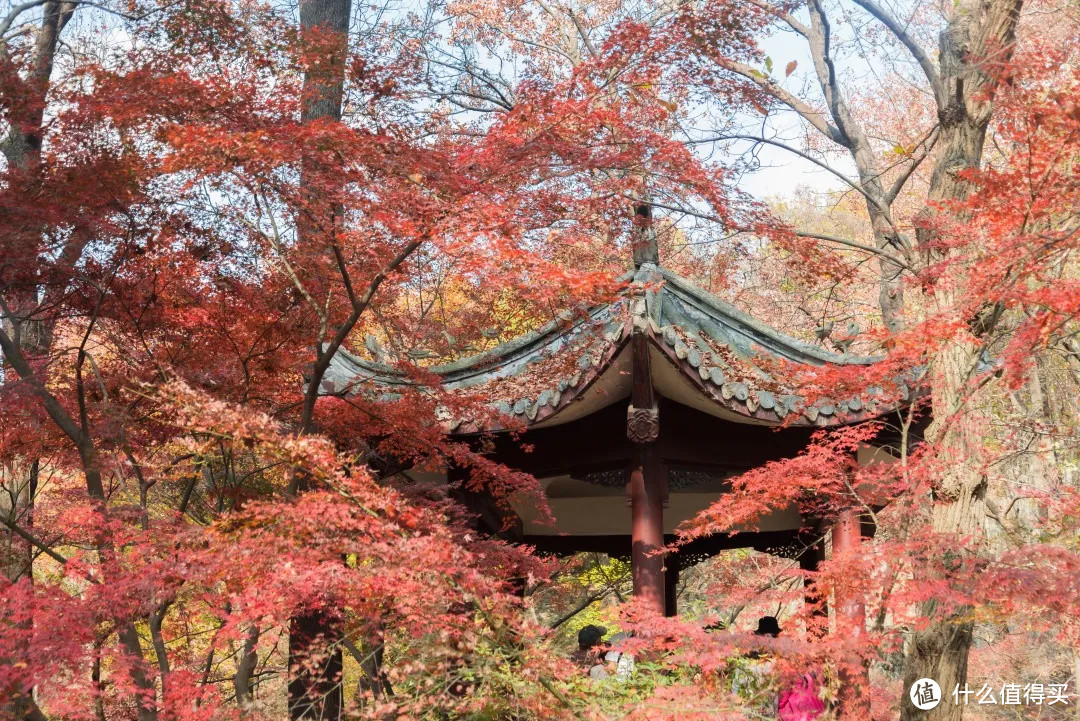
<point>644,246</point>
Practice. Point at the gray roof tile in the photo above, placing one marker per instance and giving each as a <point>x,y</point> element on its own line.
<point>720,349</point>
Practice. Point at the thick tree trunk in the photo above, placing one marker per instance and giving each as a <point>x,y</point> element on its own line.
<point>324,82</point>
<point>978,37</point>
<point>940,652</point>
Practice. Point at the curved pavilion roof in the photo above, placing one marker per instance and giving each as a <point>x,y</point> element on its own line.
<point>704,353</point>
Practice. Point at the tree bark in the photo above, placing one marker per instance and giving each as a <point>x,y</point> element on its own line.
<point>851,135</point>
<point>315,687</point>
<point>21,148</point>
<point>978,37</point>
<point>374,680</point>
<point>245,667</point>
<point>315,666</point>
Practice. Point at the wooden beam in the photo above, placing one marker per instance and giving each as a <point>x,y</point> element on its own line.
<point>600,442</point>
<point>783,543</point>
<point>643,415</point>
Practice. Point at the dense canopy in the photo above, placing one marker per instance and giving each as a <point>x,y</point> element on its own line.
<point>356,356</point>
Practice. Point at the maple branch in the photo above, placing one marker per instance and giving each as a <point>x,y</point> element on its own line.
<point>908,42</point>
<point>581,607</point>
<point>523,40</point>
<point>503,95</point>
<point>345,278</point>
<point>325,354</point>
<point>818,236</point>
<point>80,388</point>
<point>559,696</point>
<point>857,497</point>
<point>275,243</point>
<point>211,651</point>
<point>804,109</point>
<point>811,159</point>
<point>83,443</point>
<point>31,539</point>
<point>581,33</point>
<point>88,455</point>
<point>17,10</point>
<point>157,616</point>
<point>782,15</point>
<point>773,582</point>
<point>925,146</point>
<point>820,41</point>
<point>856,245</point>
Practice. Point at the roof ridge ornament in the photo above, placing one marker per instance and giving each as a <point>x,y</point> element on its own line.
<point>645,297</point>
<point>645,246</point>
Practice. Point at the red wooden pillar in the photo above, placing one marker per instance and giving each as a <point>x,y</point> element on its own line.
<point>846,537</point>
<point>646,487</point>
<point>851,624</point>
<point>647,531</point>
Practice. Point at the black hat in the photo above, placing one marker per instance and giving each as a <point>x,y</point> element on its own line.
<point>768,626</point>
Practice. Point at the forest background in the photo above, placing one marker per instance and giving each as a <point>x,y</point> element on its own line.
<point>202,200</point>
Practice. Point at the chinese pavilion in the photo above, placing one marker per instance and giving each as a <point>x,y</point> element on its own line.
<point>669,397</point>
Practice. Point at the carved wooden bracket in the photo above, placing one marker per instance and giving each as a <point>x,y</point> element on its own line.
<point>642,424</point>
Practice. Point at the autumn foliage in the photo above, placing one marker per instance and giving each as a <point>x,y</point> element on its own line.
<point>181,253</point>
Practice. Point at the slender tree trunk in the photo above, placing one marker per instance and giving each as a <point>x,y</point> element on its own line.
<point>19,484</point>
<point>373,678</point>
<point>315,666</point>
<point>315,660</point>
<point>21,148</point>
<point>850,134</point>
<point>245,667</point>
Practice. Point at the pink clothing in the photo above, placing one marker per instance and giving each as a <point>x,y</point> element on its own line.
<point>801,702</point>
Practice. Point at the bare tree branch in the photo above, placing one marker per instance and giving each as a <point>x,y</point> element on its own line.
<point>908,42</point>
<point>924,148</point>
<point>808,112</point>
<point>31,539</point>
